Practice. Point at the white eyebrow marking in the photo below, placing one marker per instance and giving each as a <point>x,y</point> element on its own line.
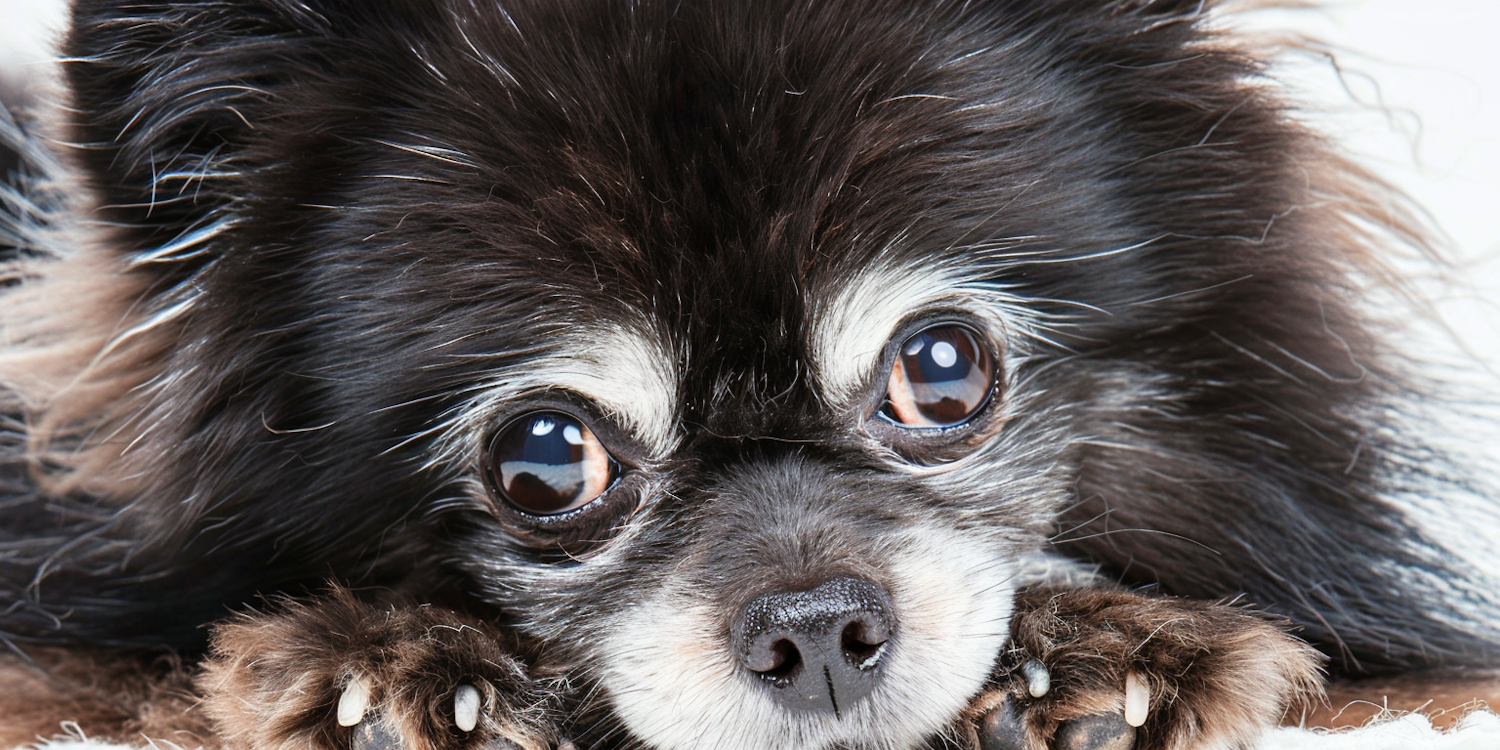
<point>626,369</point>
<point>630,373</point>
<point>850,331</point>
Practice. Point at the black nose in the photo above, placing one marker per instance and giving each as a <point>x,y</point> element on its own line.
<point>821,649</point>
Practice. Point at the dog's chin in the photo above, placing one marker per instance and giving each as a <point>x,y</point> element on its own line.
<point>673,679</point>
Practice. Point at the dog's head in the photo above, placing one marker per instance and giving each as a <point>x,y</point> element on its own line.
<point>735,351</point>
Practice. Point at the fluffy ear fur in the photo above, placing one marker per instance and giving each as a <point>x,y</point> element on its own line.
<point>185,117</point>
<point>184,111</point>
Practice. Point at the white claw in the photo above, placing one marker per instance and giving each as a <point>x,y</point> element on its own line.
<point>1038,679</point>
<point>466,708</point>
<point>1137,699</point>
<point>354,702</point>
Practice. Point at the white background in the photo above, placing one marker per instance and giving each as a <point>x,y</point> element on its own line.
<point>1413,90</point>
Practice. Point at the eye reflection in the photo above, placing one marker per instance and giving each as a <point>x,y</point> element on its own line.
<point>941,377</point>
<point>548,463</point>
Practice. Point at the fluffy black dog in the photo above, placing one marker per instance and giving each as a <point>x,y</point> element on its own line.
<point>703,374</point>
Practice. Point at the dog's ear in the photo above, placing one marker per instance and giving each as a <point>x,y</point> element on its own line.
<point>180,110</point>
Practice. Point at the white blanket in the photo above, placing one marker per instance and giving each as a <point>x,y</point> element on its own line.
<point>1480,730</point>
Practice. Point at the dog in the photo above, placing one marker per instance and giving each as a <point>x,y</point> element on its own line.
<point>703,374</point>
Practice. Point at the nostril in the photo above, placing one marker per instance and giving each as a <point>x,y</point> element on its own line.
<point>863,644</point>
<point>781,662</point>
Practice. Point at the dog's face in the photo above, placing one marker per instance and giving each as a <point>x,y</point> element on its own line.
<point>793,523</point>
<point>768,487</point>
<point>735,353</point>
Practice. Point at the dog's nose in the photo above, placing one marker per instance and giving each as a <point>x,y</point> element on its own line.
<point>819,649</point>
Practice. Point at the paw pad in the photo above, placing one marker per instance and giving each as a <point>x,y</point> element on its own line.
<point>1005,728</point>
<point>376,735</point>
<point>1097,732</point>
<point>1008,726</point>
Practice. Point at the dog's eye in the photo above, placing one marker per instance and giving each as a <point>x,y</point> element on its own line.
<point>941,377</point>
<point>548,463</point>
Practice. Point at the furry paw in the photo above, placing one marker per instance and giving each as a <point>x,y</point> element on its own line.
<point>1107,670</point>
<point>339,674</point>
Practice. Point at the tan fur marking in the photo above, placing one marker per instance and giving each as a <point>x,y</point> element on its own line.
<point>274,680</point>
<point>70,364</point>
<point>1444,697</point>
<point>111,696</point>
<point>1218,674</point>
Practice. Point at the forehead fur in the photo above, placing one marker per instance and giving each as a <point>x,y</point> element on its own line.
<point>852,320</point>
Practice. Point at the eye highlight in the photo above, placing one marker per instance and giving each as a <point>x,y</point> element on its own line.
<point>547,463</point>
<point>942,376</point>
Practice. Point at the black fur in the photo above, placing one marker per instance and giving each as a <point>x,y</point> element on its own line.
<point>1213,412</point>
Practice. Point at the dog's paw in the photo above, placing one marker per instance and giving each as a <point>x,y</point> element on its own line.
<point>338,674</point>
<point>1107,670</point>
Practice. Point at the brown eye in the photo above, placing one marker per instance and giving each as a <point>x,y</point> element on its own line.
<point>549,463</point>
<point>941,377</point>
